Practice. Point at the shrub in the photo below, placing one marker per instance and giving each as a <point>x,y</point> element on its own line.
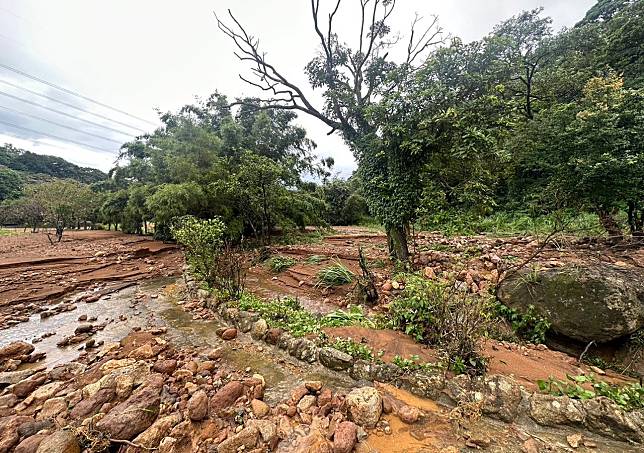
<point>354,349</point>
<point>335,275</point>
<point>280,263</point>
<point>413,364</point>
<point>216,262</point>
<point>442,316</point>
<point>529,326</point>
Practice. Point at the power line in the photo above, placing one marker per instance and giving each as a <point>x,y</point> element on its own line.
<point>60,125</point>
<point>70,105</point>
<point>127,134</point>
<point>58,87</point>
<point>55,136</point>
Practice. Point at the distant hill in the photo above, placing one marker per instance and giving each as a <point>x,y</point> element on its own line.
<point>19,168</point>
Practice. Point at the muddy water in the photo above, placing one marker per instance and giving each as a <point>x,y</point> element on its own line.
<point>159,309</point>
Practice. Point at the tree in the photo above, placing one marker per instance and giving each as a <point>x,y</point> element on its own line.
<point>64,203</point>
<point>10,184</point>
<point>170,201</point>
<point>352,81</point>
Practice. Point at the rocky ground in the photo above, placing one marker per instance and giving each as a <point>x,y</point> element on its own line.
<point>159,370</point>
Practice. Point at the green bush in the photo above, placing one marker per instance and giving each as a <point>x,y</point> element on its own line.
<point>442,316</point>
<point>356,350</point>
<point>529,326</point>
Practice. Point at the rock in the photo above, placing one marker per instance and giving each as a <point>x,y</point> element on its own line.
<point>247,438</point>
<point>409,414</point>
<point>143,352</point>
<point>24,388</point>
<point>59,442</point>
<point>16,349</point>
<point>549,410</point>
<point>90,405</point>
<point>267,429</point>
<point>573,440</point>
<point>67,371</point>
<point>83,328</point>
<point>198,406</point>
<point>345,437</point>
<point>586,303</point>
<point>13,377</point>
<point>167,366</point>
<point>9,430</point>
<point>306,403</point>
<point>273,335</point>
<point>313,386</point>
<point>151,437</point>
<point>136,414</point>
<point>530,446</point>
<point>304,349</point>
<point>298,393</point>
<point>34,426</point>
<point>259,329</point>
<point>335,359</point>
<point>52,408</point>
<point>229,334</point>
<point>260,408</point>
<point>365,406</point>
<point>30,444</point>
<point>225,397</point>
<point>605,417</point>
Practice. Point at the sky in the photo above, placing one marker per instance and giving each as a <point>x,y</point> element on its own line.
<point>134,57</point>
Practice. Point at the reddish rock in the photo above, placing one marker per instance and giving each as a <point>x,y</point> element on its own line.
<point>59,442</point>
<point>15,349</point>
<point>198,406</point>
<point>90,406</point>
<point>273,335</point>
<point>165,366</point>
<point>409,414</point>
<point>229,334</point>
<point>325,397</point>
<point>23,388</point>
<point>298,393</point>
<point>226,396</point>
<point>30,444</point>
<point>9,430</point>
<point>345,437</point>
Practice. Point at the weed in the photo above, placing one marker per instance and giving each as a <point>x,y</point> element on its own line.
<point>353,316</point>
<point>529,326</point>
<point>356,350</point>
<point>628,397</point>
<point>335,275</point>
<point>280,263</point>
<point>315,259</point>
<point>413,364</point>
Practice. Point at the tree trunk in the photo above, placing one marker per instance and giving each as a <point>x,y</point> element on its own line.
<point>397,239</point>
<point>610,225</point>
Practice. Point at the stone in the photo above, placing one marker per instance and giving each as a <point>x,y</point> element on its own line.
<point>605,417</point>
<point>198,406</point>
<point>247,438</point>
<point>16,349</point>
<point>298,393</point>
<point>167,366</point>
<point>67,371</point>
<point>273,335</point>
<point>306,403</point>
<point>573,440</point>
<point>151,437</point>
<point>33,426</point>
<point>52,408</point>
<point>9,430</point>
<point>13,377</point>
<point>229,334</point>
<point>335,359</point>
<point>83,328</point>
<point>313,386</point>
<point>27,386</point>
<point>30,444</point>
<point>225,397</point>
<point>260,408</point>
<point>136,414</point>
<point>91,405</point>
<point>345,437</point>
<point>304,349</point>
<point>59,442</point>
<point>267,429</point>
<point>259,329</point>
<point>598,303</point>
<point>143,352</point>
<point>409,414</point>
<point>550,410</point>
<point>365,406</point>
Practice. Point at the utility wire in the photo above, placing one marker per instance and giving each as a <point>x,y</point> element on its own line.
<point>127,134</point>
<point>58,87</point>
<point>56,137</point>
<point>70,105</point>
<point>39,118</point>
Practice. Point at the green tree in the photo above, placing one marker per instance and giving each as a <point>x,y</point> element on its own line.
<point>10,184</point>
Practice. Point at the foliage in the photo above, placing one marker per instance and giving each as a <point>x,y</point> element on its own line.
<point>280,263</point>
<point>220,266</point>
<point>413,364</point>
<point>356,350</point>
<point>354,315</point>
<point>11,184</point>
<point>628,397</point>
<point>345,204</point>
<point>529,326</point>
<point>336,274</point>
<point>442,316</point>
<point>315,259</point>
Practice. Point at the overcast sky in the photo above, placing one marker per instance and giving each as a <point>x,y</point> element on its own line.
<point>138,55</point>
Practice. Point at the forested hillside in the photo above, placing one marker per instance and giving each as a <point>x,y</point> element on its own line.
<point>20,168</point>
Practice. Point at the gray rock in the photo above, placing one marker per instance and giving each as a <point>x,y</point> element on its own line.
<point>365,406</point>
<point>594,302</point>
<point>334,359</point>
<point>605,417</point>
<point>549,410</point>
<point>13,377</point>
<point>259,329</point>
<point>304,349</point>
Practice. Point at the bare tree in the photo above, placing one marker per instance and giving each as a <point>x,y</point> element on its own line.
<point>352,79</point>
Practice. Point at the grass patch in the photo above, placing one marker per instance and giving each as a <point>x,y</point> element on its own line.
<point>354,349</point>
<point>315,259</point>
<point>335,275</point>
<point>289,315</point>
<point>413,364</point>
<point>280,263</point>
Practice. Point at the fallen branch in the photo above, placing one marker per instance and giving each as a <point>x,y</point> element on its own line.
<point>131,444</point>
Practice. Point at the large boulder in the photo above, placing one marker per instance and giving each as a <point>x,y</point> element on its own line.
<point>16,349</point>
<point>365,406</point>
<point>591,302</point>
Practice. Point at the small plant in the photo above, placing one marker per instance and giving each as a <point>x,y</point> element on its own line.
<point>628,397</point>
<point>335,275</point>
<point>279,264</point>
<point>353,316</point>
<point>529,326</point>
<point>315,259</point>
<point>354,349</point>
